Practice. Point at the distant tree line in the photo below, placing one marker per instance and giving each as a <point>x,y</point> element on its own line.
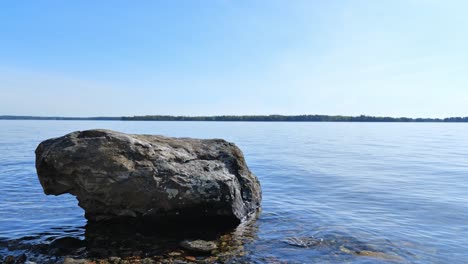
<point>12,117</point>
<point>249,118</point>
<point>292,118</point>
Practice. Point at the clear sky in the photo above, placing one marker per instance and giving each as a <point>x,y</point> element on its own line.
<point>114,58</point>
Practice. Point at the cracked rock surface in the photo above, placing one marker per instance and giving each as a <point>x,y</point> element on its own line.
<point>116,175</point>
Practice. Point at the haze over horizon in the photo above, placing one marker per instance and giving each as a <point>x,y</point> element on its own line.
<point>116,58</point>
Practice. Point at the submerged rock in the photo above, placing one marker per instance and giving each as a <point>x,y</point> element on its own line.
<point>75,261</point>
<point>304,242</point>
<point>116,175</point>
<point>372,254</point>
<point>9,260</point>
<point>199,246</point>
<point>15,260</point>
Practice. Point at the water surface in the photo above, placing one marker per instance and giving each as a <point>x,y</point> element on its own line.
<point>332,192</point>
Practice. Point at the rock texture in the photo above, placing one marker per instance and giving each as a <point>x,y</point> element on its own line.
<point>116,175</point>
<point>199,246</point>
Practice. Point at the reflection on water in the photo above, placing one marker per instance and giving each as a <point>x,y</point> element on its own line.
<point>131,240</point>
<point>332,193</point>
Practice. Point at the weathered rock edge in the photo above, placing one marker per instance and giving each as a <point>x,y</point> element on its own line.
<point>115,175</point>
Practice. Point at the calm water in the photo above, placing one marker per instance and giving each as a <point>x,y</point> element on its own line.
<point>332,192</point>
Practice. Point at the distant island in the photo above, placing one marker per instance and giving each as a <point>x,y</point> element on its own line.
<point>248,118</point>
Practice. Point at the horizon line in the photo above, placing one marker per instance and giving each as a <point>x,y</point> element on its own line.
<point>247,118</point>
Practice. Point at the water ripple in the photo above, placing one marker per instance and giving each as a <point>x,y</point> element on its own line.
<point>333,192</point>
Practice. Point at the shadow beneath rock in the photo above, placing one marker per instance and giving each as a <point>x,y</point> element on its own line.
<point>159,241</point>
<point>128,237</point>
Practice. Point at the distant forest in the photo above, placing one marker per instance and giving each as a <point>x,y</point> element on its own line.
<point>12,117</point>
<point>249,118</point>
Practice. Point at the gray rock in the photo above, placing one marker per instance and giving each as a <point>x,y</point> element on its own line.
<point>74,261</point>
<point>147,261</point>
<point>114,260</point>
<point>116,175</point>
<point>9,260</point>
<point>200,246</point>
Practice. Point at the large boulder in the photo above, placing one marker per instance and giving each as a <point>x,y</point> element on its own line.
<point>116,175</point>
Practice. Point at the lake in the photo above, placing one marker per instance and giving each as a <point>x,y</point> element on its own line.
<point>332,192</point>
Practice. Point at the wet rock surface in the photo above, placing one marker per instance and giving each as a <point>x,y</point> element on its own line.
<point>122,176</point>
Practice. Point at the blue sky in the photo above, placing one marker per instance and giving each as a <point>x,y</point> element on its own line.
<point>114,58</point>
